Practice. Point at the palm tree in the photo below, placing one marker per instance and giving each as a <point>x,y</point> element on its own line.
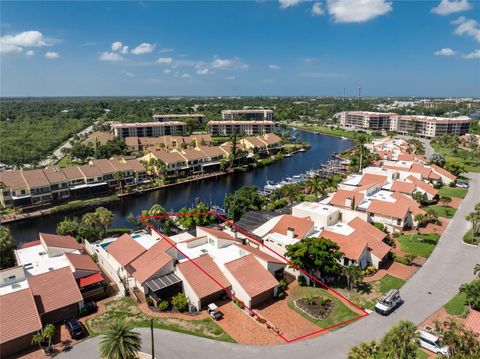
<point>104,218</point>
<point>472,292</point>
<point>48,333</point>
<point>401,341</point>
<point>314,185</point>
<point>364,351</point>
<point>157,210</point>
<point>118,177</point>
<point>353,273</point>
<point>37,339</point>
<point>120,341</point>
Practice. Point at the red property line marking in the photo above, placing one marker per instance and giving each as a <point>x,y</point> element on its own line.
<point>246,233</point>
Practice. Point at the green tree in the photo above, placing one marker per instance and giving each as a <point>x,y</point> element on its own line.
<point>104,218</point>
<point>364,351</point>
<point>7,246</point>
<point>437,159</point>
<point>353,274</point>
<point>48,333</point>
<point>461,342</point>
<point>476,269</point>
<point>120,341</point>
<point>241,201</point>
<point>445,200</point>
<point>314,185</point>
<point>472,293</point>
<point>180,302</point>
<point>317,256</point>
<point>400,342</point>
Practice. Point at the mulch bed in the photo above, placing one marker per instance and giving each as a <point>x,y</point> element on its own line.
<point>319,309</point>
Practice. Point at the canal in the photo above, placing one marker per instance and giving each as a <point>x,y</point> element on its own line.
<point>208,190</point>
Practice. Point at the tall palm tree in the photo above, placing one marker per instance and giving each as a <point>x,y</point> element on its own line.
<point>364,351</point>
<point>157,210</point>
<point>314,185</point>
<point>120,341</point>
<point>48,333</point>
<point>104,218</point>
<point>401,341</point>
<point>353,273</point>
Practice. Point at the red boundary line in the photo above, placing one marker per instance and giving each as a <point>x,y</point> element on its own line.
<point>145,218</point>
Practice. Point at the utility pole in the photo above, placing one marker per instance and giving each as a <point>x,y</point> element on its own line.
<point>153,341</point>
<point>359,93</point>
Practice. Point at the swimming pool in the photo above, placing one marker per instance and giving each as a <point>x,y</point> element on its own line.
<point>105,245</point>
<point>136,235</point>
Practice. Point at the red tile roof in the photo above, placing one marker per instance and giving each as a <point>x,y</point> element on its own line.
<point>373,235</point>
<point>19,315</point>
<point>351,246</point>
<point>91,279</point>
<point>371,178</point>
<point>251,275</point>
<point>214,232</point>
<point>151,261</point>
<point>55,240</point>
<point>200,283</point>
<point>54,290</point>
<point>301,226</point>
<point>403,187</point>
<point>413,206</point>
<point>29,244</point>
<point>125,249</point>
<point>82,262</point>
<point>473,321</point>
<point>444,172</point>
<point>260,254</point>
<point>423,185</point>
<point>388,209</point>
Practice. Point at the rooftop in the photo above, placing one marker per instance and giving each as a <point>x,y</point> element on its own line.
<point>125,249</point>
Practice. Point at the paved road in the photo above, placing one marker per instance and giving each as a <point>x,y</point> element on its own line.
<point>429,151</point>
<point>450,265</point>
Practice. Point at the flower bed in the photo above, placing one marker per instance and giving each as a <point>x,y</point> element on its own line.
<point>317,307</point>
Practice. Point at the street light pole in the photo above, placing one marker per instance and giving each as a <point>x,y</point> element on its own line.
<point>153,342</point>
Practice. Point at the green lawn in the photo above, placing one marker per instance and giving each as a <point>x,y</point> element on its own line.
<point>446,212</point>
<point>453,192</point>
<point>469,164</point>
<point>65,161</point>
<point>339,313</point>
<point>456,305</point>
<point>469,239</point>
<point>127,309</point>
<point>420,245</point>
<point>389,282</point>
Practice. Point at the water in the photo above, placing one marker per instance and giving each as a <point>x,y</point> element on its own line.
<point>212,190</point>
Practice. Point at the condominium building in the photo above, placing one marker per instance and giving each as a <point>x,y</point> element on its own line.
<point>149,129</point>
<point>266,115</point>
<point>227,128</point>
<point>422,126</point>
<point>180,117</point>
<point>31,187</point>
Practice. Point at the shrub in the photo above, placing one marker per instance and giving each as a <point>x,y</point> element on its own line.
<point>261,320</point>
<point>239,303</point>
<point>309,299</point>
<point>118,231</point>
<point>281,295</point>
<point>163,305</point>
<point>402,260</point>
<point>283,284</point>
<point>180,302</point>
<point>369,270</point>
<point>389,241</point>
<point>149,301</point>
<point>380,226</point>
<point>301,281</point>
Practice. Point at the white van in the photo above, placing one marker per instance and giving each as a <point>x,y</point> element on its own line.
<point>432,343</point>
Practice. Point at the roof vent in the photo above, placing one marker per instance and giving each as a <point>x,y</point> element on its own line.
<point>51,268</point>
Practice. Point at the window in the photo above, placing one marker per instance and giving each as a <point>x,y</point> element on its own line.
<point>399,222</point>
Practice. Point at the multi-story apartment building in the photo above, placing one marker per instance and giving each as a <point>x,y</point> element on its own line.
<point>149,129</point>
<point>30,187</point>
<point>422,126</point>
<point>227,128</point>
<point>266,115</point>
<point>180,117</point>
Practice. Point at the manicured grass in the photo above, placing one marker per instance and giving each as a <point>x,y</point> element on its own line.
<point>453,192</point>
<point>420,245</point>
<point>470,239</point>
<point>330,131</point>
<point>456,305</point>
<point>421,354</point>
<point>339,313</point>
<point>469,164</point>
<point>446,212</point>
<point>65,161</point>
<point>127,309</point>
<point>389,282</point>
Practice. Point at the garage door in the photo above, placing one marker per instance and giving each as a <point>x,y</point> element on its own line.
<point>262,297</point>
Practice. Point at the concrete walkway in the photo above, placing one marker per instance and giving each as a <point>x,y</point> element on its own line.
<point>450,265</point>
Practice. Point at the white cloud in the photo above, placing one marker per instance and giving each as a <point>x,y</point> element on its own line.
<point>467,27</point>
<point>186,76</point>
<point>230,78</point>
<point>447,7</point>
<point>274,67</point>
<point>472,55</point>
<point>117,45</point>
<point>52,55</point>
<point>16,43</point>
<point>446,52</point>
<point>346,11</point>
<point>129,74</point>
<point>288,3</point>
<point>167,71</point>
<point>233,63</point>
<point>143,48</point>
<point>317,9</point>
<point>111,56</point>
<point>203,71</point>
<point>30,53</point>
<point>164,60</point>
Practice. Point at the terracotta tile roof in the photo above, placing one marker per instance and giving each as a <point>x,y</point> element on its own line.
<point>90,170</point>
<point>58,241</point>
<point>301,226</point>
<point>82,262</point>
<point>105,166</point>
<point>192,154</point>
<point>213,151</point>
<point>389,209</point>
<point>125,249</point>
<point>473,321</point>
<point>423,185</point>
<point>54,290</point>
<point>340,197</point>
<point>135,165</point>
<point>385,155</point>
<point>270,138</point>
<point>35,178</point>
<point>255,141</point>
<point>13,179</point>
<point>55,174</point>
<point>373,235</point>
<point>200,283</point>
<point>413,206</point>
<point>403,187</point>
<point>214,232</point>
<point>151,261</point>
<point>260,254</point>
<point>371,178</point>
<point>351,246</point>
<point>73,173</point>
<point>168,157</point>
<point>406,157</point>
<point>444,172</point>
<point>19,315</point>
<point>29,244</point>
<point>251,275</point>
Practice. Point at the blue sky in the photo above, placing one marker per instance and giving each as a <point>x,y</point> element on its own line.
<point>287,47</point>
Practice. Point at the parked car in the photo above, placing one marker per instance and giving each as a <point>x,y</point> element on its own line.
<point>389,302</point>
<point>214,312</point>
<point>75,328</point>
<point>432,343</point>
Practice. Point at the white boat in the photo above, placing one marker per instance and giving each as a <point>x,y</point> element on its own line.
<point>302,150</point>
<point>287,155</point>
<point>344,138</point>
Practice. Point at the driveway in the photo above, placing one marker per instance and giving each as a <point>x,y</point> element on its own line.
<point>450,265</point>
